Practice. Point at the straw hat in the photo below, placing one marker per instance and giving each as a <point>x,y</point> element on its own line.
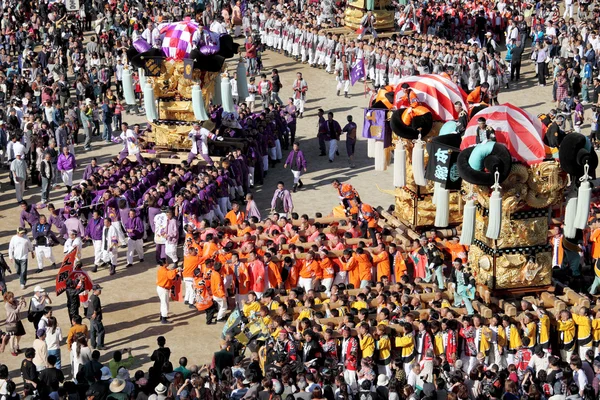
<point>117,385</point>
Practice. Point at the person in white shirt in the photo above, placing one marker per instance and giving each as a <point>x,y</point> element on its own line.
<point>252,89</point>
<point>39,302</point>
<point>199,137</point>
<point>539,361</point>
<point>579,377</point>
<point>53,339</point>
<point>73,242</point>
<point>130,144</point>
<point>110,245</point>
<point>18,249</point>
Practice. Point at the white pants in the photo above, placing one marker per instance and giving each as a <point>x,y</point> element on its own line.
<point>265,160</point>
<point>189,290</point>
<point>273,153</point>
<point>351,379</point>
<point>583,350</point>
<point>496,358</point>
<point>224,204</point>
<point>67,177</point>
<point>510,359</point>
<point>109,256</point>
<point>163,296</point>
<point>120,233</point>
<point>469,363</point>
<point>343,84</point>
<point>20,190</point>
<point>279,154</point>
<point>136,246</point>
<point>296,176</point>
<point>299,104</point>
<point>327,282</point>
<point>332,144</point>
<point>97,251</point>
<point>42,252</point>
<point>566,355</point>
<point>222,303</point>
<point>306,283</point>
<point>171,251</point>
<point>568,10</point>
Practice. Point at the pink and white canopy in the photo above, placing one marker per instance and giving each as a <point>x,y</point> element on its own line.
<point>518,130</point>
<point>436,92</point>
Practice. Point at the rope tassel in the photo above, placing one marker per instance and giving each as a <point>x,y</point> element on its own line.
<point>442,206</point>
<point>495,211</point>
<point>584,199</point>
<point>418,162</point>
<point>399,165</point>
<point>198,104</point>
<point>226,96</point>
<point>570,213</point>
<point>468,226</point>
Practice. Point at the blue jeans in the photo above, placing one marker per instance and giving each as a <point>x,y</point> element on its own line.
<point>55,353</point>
<point>107,130</point>
<point>21,267</point>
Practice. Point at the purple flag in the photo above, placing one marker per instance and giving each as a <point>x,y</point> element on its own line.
<point>357,71</point>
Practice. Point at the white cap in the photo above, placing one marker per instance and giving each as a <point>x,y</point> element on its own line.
<point>38,288</point>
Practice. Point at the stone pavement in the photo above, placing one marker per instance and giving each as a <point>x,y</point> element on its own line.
<point>131,307</point>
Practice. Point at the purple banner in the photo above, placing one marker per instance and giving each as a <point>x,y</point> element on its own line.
<point>357,72</point>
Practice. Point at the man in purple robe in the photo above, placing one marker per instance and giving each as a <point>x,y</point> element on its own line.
<point>134,228</point>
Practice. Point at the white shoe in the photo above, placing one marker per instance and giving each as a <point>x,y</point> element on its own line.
<point>22,287</point>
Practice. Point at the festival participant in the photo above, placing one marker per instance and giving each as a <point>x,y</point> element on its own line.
<point>18,249</point>
<point>282,200</point>
<point>44,239</point>
<point>131,145</point>
<point>172,236</point>
<point>297,164</point>
<point>480,95</point>
<point>165,274</point>
<point>199,137</point>
<point>342,71</point>
<point>109,246</point>
<point>300,88</point>
<point>93,232</point>
<point>134,228</point>
<point>218,291</point>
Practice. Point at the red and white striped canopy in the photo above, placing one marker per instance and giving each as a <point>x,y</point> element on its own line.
<point>436,93</point>
<point>518,130</point>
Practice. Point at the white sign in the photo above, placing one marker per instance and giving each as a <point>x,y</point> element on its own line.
<point>72,5</point>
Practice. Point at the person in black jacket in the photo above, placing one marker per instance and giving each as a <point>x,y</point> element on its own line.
<point>276,86</point>
<point>515,62</point>
<point>47,175</point>
<point>223,359</point>
<point>29,371</point>
<point>73,293</point>
<point>44,239</point>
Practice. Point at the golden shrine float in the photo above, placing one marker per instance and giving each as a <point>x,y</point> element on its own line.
<point>501,188</point>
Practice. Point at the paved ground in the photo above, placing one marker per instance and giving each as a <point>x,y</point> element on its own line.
<point>130,301</point>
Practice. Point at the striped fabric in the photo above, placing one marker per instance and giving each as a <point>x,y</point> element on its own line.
<point>519,131</point>
<point>436,93</point>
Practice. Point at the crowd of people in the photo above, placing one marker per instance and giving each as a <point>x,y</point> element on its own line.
<point>346,311</point>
